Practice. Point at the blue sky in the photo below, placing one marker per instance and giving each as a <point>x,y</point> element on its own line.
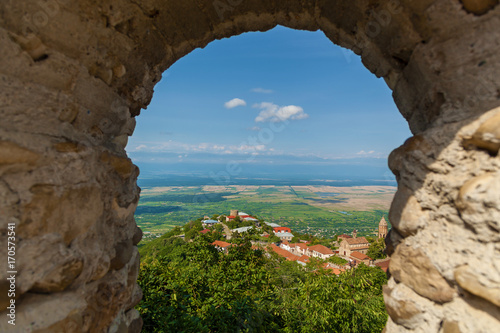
<point>279,97</point>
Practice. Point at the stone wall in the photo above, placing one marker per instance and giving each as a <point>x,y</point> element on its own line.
<point>75,74</point>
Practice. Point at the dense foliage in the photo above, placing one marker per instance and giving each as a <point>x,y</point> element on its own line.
<point>376,250</point>
<point>193,287</point>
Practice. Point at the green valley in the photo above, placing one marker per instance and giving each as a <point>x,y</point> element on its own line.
<point>316,209</point>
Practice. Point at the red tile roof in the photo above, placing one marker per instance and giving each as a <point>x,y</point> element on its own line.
<point>304,258</point>
<point>282,229</point>
<point>384,265</point>
<point>205,231</point>
<point>334,270</point>
<point>302,246</point>
<point>321,249</point>
<point>231,217</point>
<point>284,253</point>
<point>221,244</point>
<point>356,241</point>
<point>344,236</point>
<point>359,256</point>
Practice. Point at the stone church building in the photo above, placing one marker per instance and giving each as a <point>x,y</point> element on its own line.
<point>382,228</point>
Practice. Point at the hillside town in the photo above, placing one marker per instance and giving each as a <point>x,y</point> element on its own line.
<point>346,252</point>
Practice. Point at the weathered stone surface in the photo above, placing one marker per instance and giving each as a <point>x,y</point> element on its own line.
<point>450,327</point>
<point>479,7</point>
<point>10,153</point>
<point>479,204</point>
<point>413,268</point>
<point>123,253</point>
<point>137,236</point>
<point>32,45</point>
<point>101,268</point>
<point>67,147</point>
<point>59,312</point>
<point>123,166</point>
<point>472,283</point>
<point>70,213</point>
<point>134,321</point>
<point>74,75</point>
<point>4,290</point>
<point>60,277</point>
<point>46,265</point>
<point>392,240</point>
<point>406,214</point>
<point>72,323</point>
<point>488,135</point>
<point>409,311</point>
<point>400,311</point>
<point>417,144</point>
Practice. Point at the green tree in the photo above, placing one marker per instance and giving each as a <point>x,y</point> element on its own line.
<point>191,234</point>
<point>273,239</point>
<point>192,287</point>
<point>337,260</point>
<point>376,249</point>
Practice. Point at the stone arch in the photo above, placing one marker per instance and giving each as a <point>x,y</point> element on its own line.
<point>74,75</point>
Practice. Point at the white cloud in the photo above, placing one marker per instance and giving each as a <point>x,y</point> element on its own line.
<point>181,148</point>
<point>254,128</point>
<point>366,153</point>
<point>235,103</point>
<point>262,91</point>
<point>274,113</point>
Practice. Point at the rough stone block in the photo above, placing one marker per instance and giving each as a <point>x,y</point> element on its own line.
<point>406,214</point>
<point>472,283</point>
<point>46,265</point>
<point>70,213</point>
<point>479,7</point>
<point>122,165</point>
<point>479,204</point>
<point>487,135</point>
<point>124,251</point>
<point>11,153</point>
<point>412,267</point>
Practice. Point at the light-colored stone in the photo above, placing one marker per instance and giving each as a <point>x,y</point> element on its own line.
<point>121,165</point>
<point>471,282</point>
<point>450,327</point>
<point>48,313</point>
<point>70,213</point>
<point>412,267</point>
<point>406,214</point>
<point>479,7</point>
<point>60,277</point>
<point>479,204</point>
<point>487,135</point>
<point>11,153</point>
<point>46,265</point>
<point>401,311</point>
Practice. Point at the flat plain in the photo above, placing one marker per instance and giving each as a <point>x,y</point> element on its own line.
<point>320,210</point>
